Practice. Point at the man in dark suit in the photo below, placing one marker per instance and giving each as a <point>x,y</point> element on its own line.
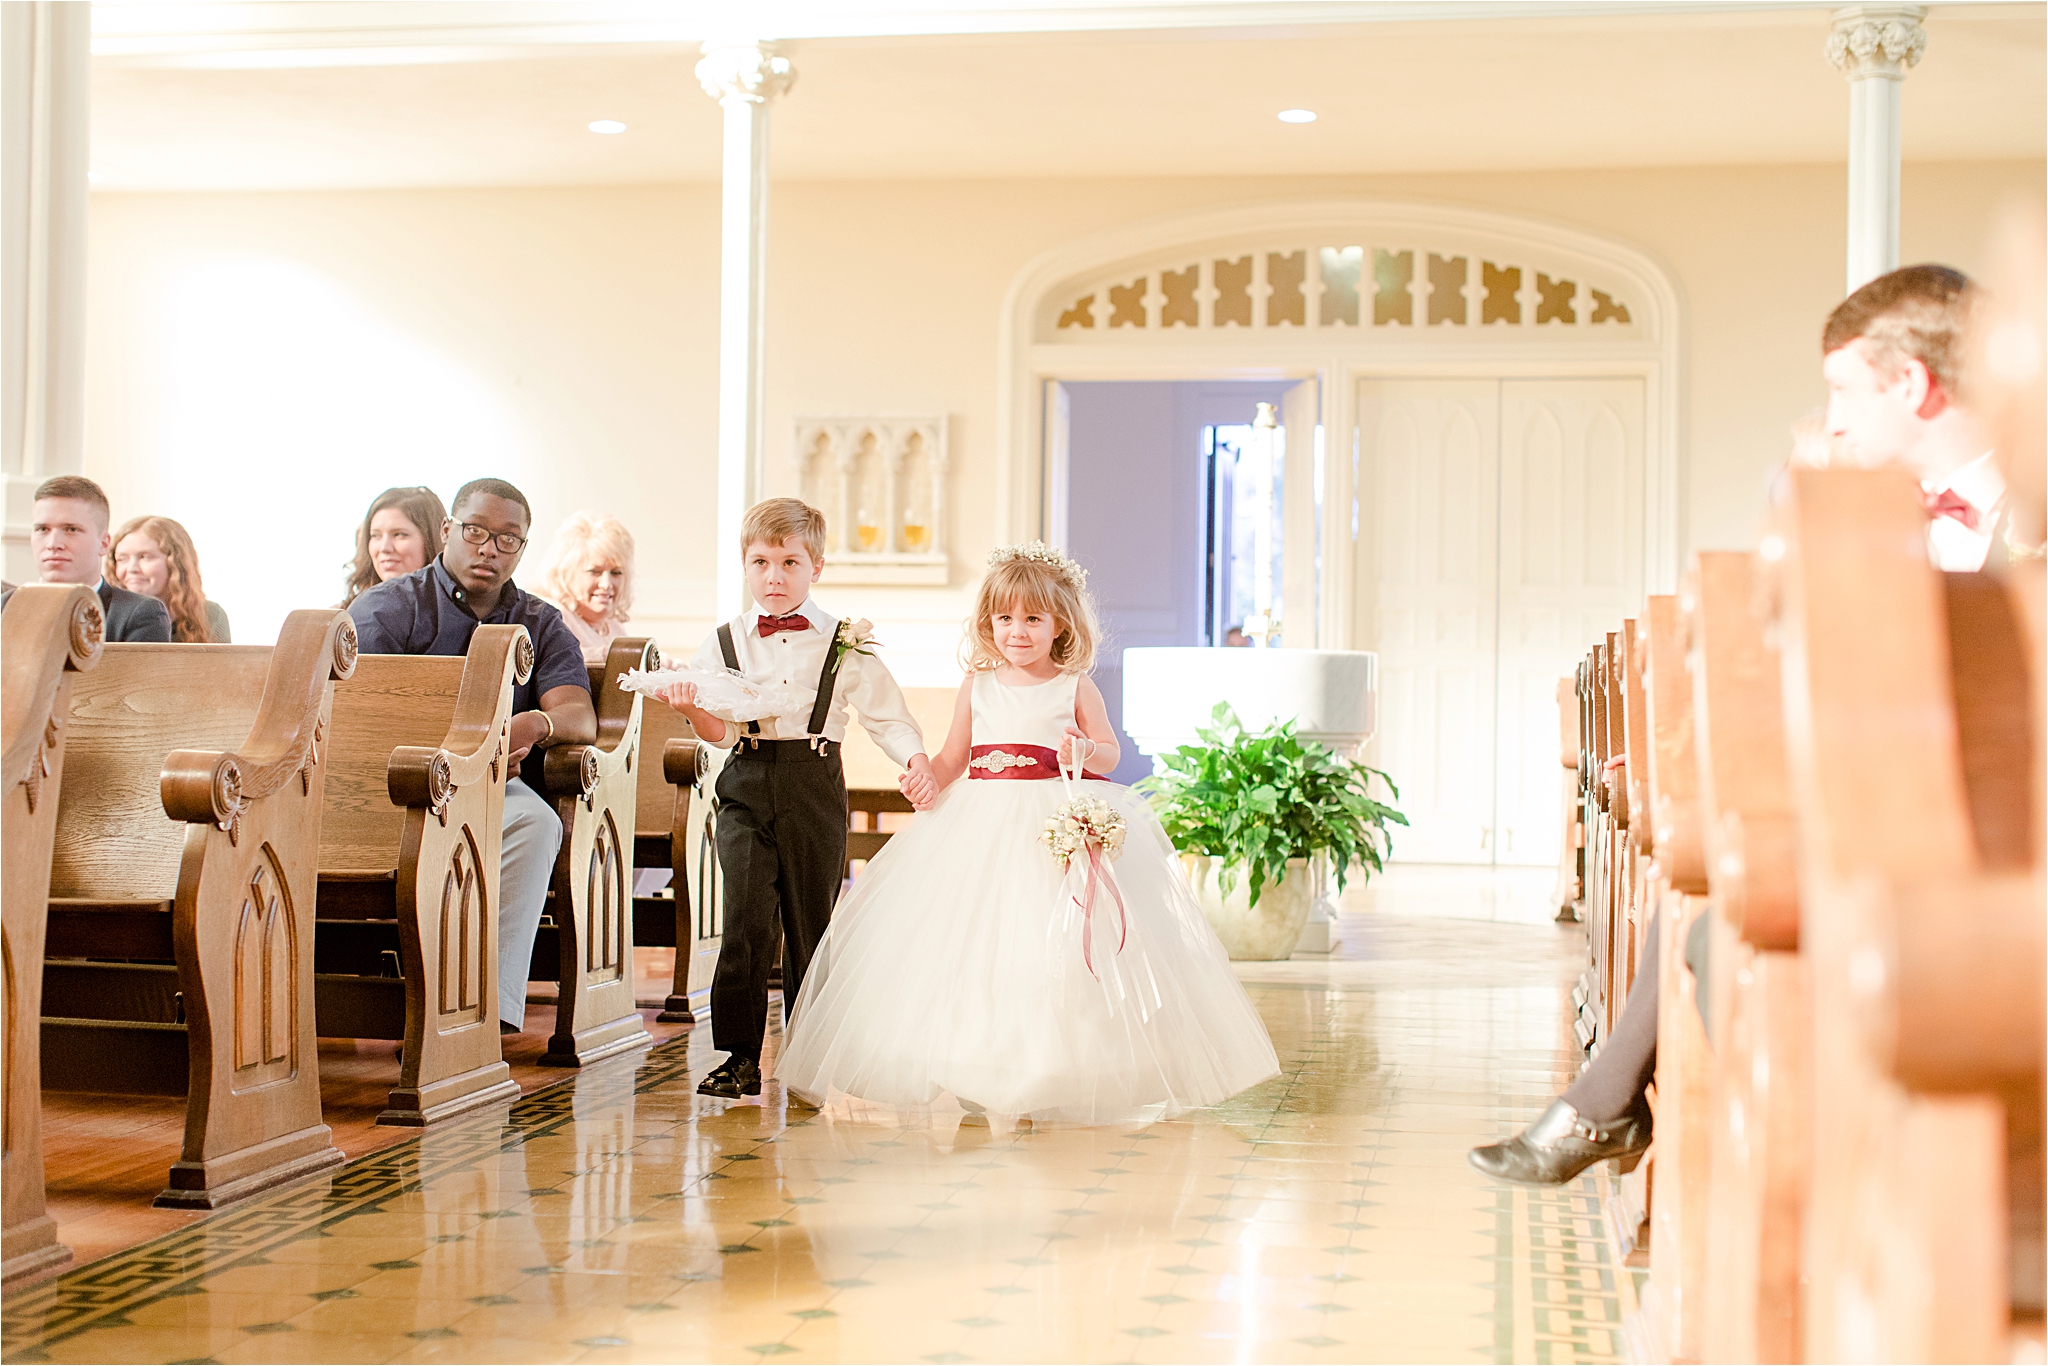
<point>69,535</point>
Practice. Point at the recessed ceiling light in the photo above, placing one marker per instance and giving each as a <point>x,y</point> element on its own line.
<point>1297,116</point>
<point>614,126</point>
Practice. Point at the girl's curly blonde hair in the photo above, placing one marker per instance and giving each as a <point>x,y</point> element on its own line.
<point>1034,579</point>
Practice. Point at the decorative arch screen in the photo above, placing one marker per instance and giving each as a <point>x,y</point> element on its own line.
<point>1349,283</point>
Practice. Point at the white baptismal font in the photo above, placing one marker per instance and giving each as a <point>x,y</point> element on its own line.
<point>1170,693</point>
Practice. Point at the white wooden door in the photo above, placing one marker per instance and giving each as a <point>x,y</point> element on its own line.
<point>1501,524</point>
<point>1301,566</point>
<point>1428,467</point>
<point>1571,567</point>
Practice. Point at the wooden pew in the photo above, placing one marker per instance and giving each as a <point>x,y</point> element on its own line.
<point>409,860</point>
<point>865,807</point>
<point>681,835</point>
<point>1588,998</point>
<point>1612,869</point>
<point>49,634</point>
<point>1679,1160</point>
<point>1571,859</point>
<point>187,839</point>
<point>1759,1123</point>
<point>1913,714</point>
<point>585,943</point>
<point>1636,892</point>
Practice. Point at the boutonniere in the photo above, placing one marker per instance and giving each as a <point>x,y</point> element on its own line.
<point>853,638</point>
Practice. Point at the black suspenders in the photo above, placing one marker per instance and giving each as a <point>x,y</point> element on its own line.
<point>732,661</point>
<point>828,680</point>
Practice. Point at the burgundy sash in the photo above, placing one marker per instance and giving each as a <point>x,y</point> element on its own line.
<point>1013,762</point>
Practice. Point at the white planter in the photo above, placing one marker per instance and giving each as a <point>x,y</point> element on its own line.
<point>1257,933</point>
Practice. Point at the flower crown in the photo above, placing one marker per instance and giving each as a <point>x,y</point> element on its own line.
<point>1041,553</point>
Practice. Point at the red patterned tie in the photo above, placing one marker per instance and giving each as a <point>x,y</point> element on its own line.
<point>1949,503</point>
<point>766,627</point>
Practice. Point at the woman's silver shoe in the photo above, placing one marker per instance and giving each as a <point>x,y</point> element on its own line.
<point>1561,1144</point>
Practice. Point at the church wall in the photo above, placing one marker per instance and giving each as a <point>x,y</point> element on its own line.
<point>260,365</point>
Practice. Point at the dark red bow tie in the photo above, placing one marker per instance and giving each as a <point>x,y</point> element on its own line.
<point>766,627</point>
<point>1949,503</point>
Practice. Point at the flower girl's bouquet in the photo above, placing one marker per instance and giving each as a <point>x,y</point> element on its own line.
<point>1085,835</point>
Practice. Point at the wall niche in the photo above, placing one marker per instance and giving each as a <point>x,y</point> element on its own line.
<point>881,483</point>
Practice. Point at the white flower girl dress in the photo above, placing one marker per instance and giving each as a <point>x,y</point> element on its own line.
<point>956,965</point>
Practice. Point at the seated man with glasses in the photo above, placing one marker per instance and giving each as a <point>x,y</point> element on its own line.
<point>434,611</point>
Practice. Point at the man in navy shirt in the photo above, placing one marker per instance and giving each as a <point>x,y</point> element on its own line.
<point>435,611</point>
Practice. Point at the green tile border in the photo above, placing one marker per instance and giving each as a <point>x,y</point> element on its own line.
<point>99,1293</point>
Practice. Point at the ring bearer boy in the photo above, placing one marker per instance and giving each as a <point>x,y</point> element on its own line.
<point>782,798</point>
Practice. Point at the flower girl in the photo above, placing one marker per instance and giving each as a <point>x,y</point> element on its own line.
<point>1029,945</point>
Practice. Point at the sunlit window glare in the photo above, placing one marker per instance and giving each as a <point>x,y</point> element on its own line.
<point>607,126</point>
<point>262,358</point>
<point>1297,116</point>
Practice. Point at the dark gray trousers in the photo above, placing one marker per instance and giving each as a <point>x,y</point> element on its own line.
<point>1614,1084</point>
<point>782,851</point>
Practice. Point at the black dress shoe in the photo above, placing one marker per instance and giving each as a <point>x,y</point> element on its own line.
<point>731,1079</point>
<point>1560,1145</point>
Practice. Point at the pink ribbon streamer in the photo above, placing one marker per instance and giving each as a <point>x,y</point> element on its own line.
<point>1099,876</point>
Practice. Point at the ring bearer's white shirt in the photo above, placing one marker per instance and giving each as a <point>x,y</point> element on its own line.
<point>793,660</point>
<point>1954,545</point>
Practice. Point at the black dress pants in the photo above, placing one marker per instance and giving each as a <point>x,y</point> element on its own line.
<point>782,851</point>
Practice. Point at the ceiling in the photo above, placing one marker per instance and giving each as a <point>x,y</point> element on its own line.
<point>332,95</point>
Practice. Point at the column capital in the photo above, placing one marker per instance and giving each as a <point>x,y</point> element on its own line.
<point>1877,40</point>
<point>744,72</point>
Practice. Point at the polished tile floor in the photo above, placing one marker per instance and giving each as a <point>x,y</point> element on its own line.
<point>1327,1215</point>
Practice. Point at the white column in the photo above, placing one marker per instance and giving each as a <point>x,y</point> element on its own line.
<point>1873,45</point>
<point>743,78</point>
<point>45,73</point>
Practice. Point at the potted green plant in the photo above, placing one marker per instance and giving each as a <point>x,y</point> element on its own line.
<point>1249,810</point>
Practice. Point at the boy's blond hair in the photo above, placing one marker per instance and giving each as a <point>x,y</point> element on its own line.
<point>778,521</point>
<point>1034,578</point>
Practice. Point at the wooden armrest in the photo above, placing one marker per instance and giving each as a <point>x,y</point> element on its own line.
<point>422,775</point>
<point>682,761</point>
<point>209,787</point>
<point>576,770</point>
<point>51,622</point>
<point>1949,979</point>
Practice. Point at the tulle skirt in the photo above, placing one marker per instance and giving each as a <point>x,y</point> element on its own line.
<point>956,967</point>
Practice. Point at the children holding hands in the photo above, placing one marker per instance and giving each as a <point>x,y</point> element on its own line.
<point>990,953</point>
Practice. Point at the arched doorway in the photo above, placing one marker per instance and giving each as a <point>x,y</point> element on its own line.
<point>1499,459</point>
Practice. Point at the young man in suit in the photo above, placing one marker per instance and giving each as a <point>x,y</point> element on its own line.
<point>1891,355</point>
<point>69,534</point>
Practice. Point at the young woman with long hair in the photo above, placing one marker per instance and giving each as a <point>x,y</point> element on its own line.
<point>155,556</point>
<point>400,533</point>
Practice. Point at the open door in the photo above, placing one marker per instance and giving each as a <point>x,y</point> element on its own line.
<point>1300,518</point>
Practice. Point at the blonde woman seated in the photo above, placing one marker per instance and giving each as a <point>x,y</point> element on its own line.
<point>589,575</point>
<point>400,534</point>
<point>154,556</point>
